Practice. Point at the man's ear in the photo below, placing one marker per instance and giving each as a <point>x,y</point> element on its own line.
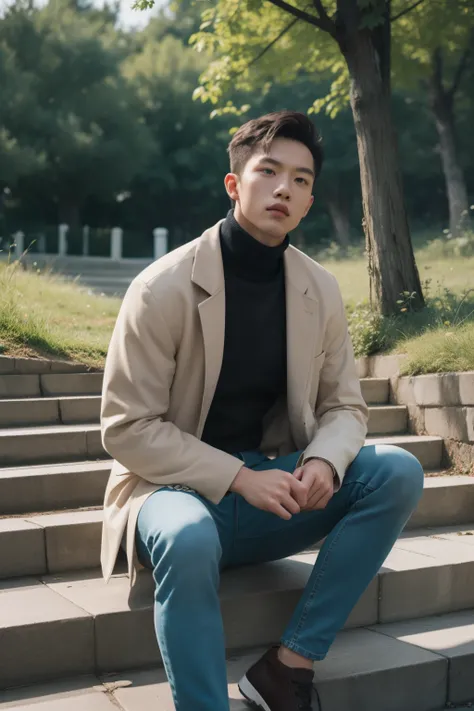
<point>231,181</point>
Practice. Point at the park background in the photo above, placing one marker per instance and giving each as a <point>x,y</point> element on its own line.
<point>102,124</point>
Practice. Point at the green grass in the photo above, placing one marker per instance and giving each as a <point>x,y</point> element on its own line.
<point>44,315</point>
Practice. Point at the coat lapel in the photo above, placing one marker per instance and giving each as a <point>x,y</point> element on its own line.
<point>301,329</point>
<point>208,273</point>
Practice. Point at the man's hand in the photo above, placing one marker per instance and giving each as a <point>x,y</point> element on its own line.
<point>318,480</point>
<point>271,490</point>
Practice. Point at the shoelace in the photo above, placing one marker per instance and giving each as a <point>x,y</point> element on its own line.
<point>303,692</point>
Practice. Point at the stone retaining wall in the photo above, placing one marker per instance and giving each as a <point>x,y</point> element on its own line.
<point>28,366</point>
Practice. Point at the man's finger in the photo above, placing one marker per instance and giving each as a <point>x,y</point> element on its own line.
<point>320,500</point>
<point>280,511</point>
<point>300,491</point>
<point>298,473</point>
<point>290,504</point>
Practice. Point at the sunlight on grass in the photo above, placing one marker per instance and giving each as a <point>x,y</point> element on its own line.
<point>47,315</point>
<point>43,314</point>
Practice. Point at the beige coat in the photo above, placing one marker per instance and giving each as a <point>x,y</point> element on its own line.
<point>163,366</point>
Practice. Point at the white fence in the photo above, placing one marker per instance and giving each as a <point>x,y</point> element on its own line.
<point>160,242</point>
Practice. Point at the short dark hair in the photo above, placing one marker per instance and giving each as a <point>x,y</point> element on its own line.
<point>262,131</point>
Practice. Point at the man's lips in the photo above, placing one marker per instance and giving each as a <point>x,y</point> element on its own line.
<point>279,208</point>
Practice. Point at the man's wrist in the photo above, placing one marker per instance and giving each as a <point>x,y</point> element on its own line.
<point>335,475</point>
<point>242,474</point>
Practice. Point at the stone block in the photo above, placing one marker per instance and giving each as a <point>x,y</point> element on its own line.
<point>385,366</point>
<point>445,501</point>
<point>7,365</point>
<point>424,576</point>
<point>361,366</point>
<point>79,409</point>
<point>22,549</point>
<point>452,637</point>
<point>40,411</point>
<point>32,365</point>
<point>80,694</point>
<point>16,386</point>
<point>95,448</point>
<point>124,629</point>
<point>375,391</point>
<point>437,390</point>
<point>367,671</point>
<point>39,445</point>
<point>72,539</point>
<point>451,422</point>
<point>387,420</point>
<point>466,387</point>
<point>405,391</point>
<point>52,486</point>
<point>72,384</point>
<point>44,636</point>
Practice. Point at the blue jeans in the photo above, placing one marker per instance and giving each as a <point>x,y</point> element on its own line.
<point>187,540</point>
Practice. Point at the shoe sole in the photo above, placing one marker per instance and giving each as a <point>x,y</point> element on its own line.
<point>251,695</point>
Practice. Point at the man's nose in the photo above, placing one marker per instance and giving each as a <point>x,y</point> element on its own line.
<point>283,190</point>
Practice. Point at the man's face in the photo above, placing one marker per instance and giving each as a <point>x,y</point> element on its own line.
<point>274,191</point>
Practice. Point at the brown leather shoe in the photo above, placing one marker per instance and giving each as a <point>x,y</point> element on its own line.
<point>272,686</point>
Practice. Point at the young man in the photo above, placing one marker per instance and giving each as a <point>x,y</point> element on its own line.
<point>232,407</point>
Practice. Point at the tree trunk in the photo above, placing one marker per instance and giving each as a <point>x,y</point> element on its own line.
<point>392,268</point>
<point>442,104</point>
<point>339,214</point>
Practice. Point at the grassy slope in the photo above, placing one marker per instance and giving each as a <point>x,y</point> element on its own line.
<point>43,315</point>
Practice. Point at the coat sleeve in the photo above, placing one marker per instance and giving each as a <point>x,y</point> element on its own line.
<point>138,376</point>
<point>341,412</point>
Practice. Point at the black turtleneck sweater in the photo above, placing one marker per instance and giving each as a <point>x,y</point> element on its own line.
<point>253,373</point>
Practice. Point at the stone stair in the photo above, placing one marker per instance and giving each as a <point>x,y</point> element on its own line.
<point>408,644</point>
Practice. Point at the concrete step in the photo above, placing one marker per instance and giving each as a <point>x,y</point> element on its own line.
<point>52,487</point>
<point>47,444</point>
<point>52,411</point>
<point>38,544</point>
<point>88,626</point>
<point>387,419</point>
<point>383,419</point>
<point>414,666</point>
<point>50,385</point>
<point>374,390</point>
<point>428,449</point>
<point>60,443</point>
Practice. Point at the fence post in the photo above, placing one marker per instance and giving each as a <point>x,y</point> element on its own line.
<point>116,243</point>
<point>62,239</point>
<point>160,235</point>
<point>42,244</point>
<point>85,240</point>
<point>19,238</point>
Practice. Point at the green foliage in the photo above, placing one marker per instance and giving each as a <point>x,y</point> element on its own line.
<point>75,117</point>
<point>367,330</point>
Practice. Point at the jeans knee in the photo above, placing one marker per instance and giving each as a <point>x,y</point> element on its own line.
<point>406,476</point>
<point>189,549</point>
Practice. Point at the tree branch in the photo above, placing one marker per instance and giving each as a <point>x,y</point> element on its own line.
<point>269,46</point>
<point>462,66</point>
<point>329,24</point>
<point>300,14</point>
<point>406,11</point>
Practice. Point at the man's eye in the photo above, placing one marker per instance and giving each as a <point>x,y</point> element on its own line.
<point>267,171</point>
<point>303,181</point>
